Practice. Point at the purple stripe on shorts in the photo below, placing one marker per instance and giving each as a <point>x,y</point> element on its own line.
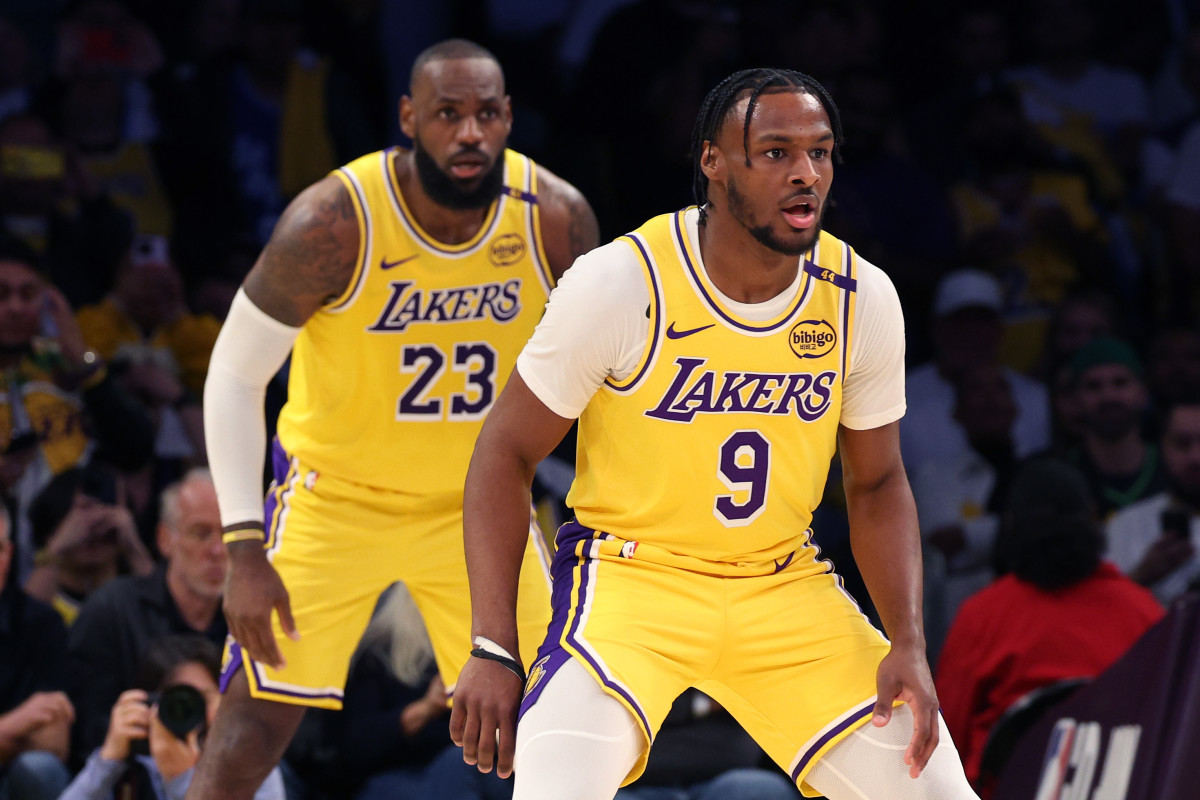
<point>279,470</point>
<point>855,716</point>
<point>230,667</point>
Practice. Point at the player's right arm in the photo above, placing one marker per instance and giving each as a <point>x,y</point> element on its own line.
<point>594,327</point>
<point>519,432</point>
<point>308,261</point>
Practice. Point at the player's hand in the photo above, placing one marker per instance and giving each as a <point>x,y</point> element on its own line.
<point>904,675</point>
<point>253,589</point>
<point>486,699</point>
<point>129,720</point>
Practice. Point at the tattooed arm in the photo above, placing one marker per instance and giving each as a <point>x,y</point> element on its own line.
<point>310,257</point>
<point>308,261</point>
<point>569,226</point>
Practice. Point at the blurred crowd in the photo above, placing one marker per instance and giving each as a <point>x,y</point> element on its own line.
<point>1028,174</point>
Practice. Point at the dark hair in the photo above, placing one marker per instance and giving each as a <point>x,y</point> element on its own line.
<point>1050,536</point>
<point>168,653</point>
<point>725,95</point>
<point>52,504</point>
<point>450,50</point>
<point>13,249</point>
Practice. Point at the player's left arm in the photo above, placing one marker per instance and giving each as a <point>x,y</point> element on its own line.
<point>887,547</point>
<point>569,227</point>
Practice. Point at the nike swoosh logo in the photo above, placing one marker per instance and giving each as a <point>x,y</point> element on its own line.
<point>385,264</point>
<point>674,334</point>
<point>780,567</point>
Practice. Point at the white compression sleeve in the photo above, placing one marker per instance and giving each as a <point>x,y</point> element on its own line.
<point>250,349</point>
<point>869,765</point>
<point>576,742</point>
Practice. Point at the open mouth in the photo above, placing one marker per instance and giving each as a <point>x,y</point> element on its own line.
<point>801,214</point>
<point>467,168</point>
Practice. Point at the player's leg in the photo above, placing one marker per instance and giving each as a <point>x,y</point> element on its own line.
<point>869,765</point>
<point>247,740</point>
<point>576,742</point>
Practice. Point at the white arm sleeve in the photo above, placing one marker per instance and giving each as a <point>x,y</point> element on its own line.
<point>873,392</point>
<point>250,349</point>
<point>594,328</point>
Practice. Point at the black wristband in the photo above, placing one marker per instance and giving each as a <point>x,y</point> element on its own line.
<point>510,664</point>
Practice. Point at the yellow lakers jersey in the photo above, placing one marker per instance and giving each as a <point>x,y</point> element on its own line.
<point>390,382</point>
<point>30,400</point>
<point>718,445</point>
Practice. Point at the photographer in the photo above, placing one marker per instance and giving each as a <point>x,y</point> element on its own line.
<point>156,730</point>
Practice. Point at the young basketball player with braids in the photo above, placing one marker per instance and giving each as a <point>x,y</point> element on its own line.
<point>715,358</point>
<point>404,285</point>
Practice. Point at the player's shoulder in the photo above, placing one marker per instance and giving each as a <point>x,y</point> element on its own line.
<point>568,224</point>
<point>872,281</point>
<point>615,261</point>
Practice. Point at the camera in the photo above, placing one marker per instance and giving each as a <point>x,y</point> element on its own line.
<point>181,709</point>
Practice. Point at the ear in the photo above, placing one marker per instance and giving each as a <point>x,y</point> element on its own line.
<point>408,117</point>
<point>712,161</point>
<point>507,113</point>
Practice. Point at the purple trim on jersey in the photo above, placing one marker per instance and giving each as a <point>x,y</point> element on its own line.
<point>855,716</point>
<point>230,667</point>
<point>681,240</point>
<point>239,659</point>
<point>653,339</point>
<point>521,194</point>
<point>281,464</point>
<point>836,278</point>
<point>853,287</point>
<point>565,597</point>
<point>364,265</point>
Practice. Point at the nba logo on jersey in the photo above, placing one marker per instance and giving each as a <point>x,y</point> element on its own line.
<point>628,549</point>
<point>536,673</point>
<point>812,338</point>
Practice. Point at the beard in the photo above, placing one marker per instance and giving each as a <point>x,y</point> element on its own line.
<point>739,209</point>
<point>445,190</point>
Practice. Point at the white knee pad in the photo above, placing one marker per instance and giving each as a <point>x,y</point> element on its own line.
<point>869,765</point>
<point>576,742</point>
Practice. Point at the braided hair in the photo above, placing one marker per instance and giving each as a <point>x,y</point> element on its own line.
<point>726,94</point>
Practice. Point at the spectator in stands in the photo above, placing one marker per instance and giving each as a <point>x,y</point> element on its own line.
<point>1154,541</point>
<point>1085,313</point>
<point>1173,363</point>
<point>57,399</point>
<point>85,535</point>
<point>959,499</point>
<point>701,753</point>
<point>966,332</point>
<point>182,595</point>
<point>156,345</point>
<point>35,714</point>
<point>1119,463</point>
<point>1060,613</point>
<point>392,731</point>
<point>118,769</point>
<point>50,202</point>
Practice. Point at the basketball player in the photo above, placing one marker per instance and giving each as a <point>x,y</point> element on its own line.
<point>715,359</point>
<point>407,283</point>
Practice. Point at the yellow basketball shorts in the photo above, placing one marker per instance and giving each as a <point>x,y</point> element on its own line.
<point>337,545</point>
<point>786,652</point>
